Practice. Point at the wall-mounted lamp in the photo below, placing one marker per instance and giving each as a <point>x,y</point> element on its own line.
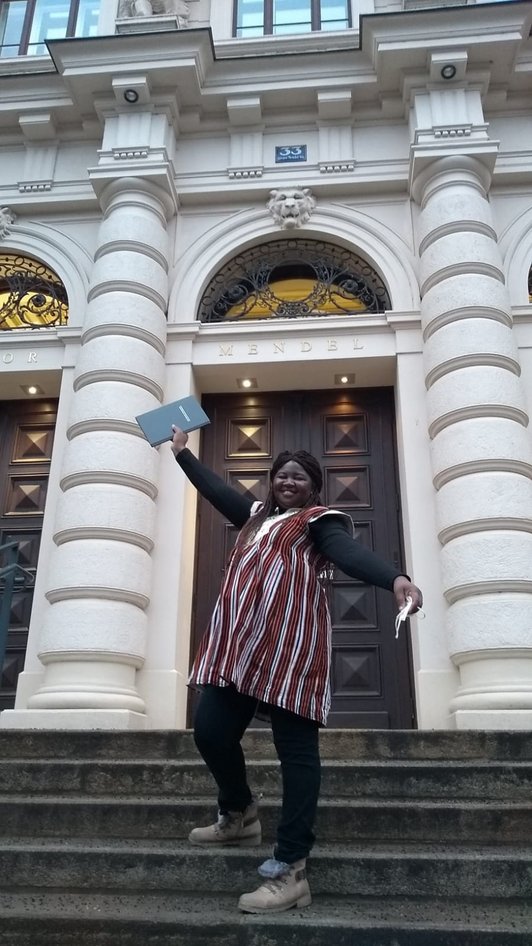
<point>131,96</point>
<point>448,71</point>
<point>246,383</point>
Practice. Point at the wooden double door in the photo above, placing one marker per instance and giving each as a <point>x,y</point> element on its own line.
<point>26,439</point>
<point>352,435</point>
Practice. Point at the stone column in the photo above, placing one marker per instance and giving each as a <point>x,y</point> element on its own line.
<point>99,583</point>
<point>481,448</point>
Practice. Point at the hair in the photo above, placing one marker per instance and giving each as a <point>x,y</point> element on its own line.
<point>310,465</point>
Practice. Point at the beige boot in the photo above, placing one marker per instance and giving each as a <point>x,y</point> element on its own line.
<point>237,828</point>
<point>282,893</point>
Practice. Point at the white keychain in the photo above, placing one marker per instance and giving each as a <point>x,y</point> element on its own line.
<point>403,614</point>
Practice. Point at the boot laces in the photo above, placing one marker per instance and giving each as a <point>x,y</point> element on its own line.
<point>276,886</point>
<point>226,821</point>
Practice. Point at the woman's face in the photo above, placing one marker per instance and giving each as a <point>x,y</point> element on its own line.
<point>291,486</point>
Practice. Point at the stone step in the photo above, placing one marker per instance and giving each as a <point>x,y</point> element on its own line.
<point>354,870</point>
<point>404,779</point>
<point>361,819</point>
<point>74,918</point>
<point>335,744</point>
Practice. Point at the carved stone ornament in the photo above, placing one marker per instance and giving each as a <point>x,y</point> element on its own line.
<point>291,207</point>
<point>7,218</point>
<point>137,8</point>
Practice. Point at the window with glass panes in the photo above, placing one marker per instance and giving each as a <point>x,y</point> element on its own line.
<point>25,24</point>
<point>277,17</point>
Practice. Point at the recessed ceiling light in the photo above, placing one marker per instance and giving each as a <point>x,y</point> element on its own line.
<point>246,383</point>
<point>31,389</point>
<point>344,379</point>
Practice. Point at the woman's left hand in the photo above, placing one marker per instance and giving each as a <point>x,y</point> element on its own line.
<point>403,588</point>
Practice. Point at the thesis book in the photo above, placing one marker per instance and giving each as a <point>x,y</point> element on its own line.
<point>186,413</point>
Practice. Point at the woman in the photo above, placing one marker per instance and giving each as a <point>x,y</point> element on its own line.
<point>268,644</point>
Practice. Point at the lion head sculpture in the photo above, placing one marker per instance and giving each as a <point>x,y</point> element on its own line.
<point>291,206</point>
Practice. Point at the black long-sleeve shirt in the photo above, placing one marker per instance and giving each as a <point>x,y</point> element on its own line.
<point>329,533</point>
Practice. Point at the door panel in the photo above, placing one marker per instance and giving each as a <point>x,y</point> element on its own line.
<point>352,435</point>
<point>26,440</point>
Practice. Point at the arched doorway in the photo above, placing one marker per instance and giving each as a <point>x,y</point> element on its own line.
<point>32,298</point>
<point>352,432</point>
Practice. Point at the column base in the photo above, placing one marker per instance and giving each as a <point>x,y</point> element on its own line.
<point>493,719</point>
<point>73,719</point>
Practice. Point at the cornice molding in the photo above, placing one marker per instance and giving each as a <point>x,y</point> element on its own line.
<point>387,60</point>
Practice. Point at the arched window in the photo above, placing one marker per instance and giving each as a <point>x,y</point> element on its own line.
<point>290,279</point>
<point>31,294</point>
<point>25,24</point>
<point>278,17</point>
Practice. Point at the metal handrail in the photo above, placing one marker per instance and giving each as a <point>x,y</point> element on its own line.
<point>10,572</point>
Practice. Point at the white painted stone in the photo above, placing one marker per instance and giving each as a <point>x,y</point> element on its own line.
<point>124,309</point>
<point>482,386</point>
<point>448,105</point>
<point>118,354</point>
<point>110,402</point>
<point>488,440</point>
<point>465,251</point>
<point>434,692</point>
<point>488,621</point>
<point>464,294</point>
<point>135,269</point>
<point>98,627</point>
<point>117,569</point>
<point>479,497</point>
<point>364,211</point>
<point>99,507</point>
<point>142,229</point>
<point>496,556</point>
<point>500,719</point>
<point>498,678</point>
<point>90,682</point>
<point>74,719</point>
<point>454,210</point>
<point>110,452</point>
<point>470,339</point>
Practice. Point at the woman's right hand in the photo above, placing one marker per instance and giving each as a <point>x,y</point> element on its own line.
<point>179,440</point>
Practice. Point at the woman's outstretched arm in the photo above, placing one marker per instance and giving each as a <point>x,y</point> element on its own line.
<point>332,539</point>
<point>224,498</point>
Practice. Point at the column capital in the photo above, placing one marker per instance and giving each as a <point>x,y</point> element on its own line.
<point>430,161</point>
<point>153,180</point>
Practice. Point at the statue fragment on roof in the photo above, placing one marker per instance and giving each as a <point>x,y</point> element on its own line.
<point>137,8</point>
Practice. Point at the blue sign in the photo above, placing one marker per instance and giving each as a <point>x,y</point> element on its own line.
<point>290,153</point>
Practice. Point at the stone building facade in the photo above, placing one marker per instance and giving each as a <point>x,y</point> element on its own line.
<point>147,151</point>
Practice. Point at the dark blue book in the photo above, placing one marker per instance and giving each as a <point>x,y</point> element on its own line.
<point>186,413</point>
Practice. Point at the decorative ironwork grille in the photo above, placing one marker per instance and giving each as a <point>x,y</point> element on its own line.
<point>31,294</point>
<point>289,279</point>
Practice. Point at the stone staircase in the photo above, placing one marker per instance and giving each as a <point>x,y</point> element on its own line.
<point>425,839</point>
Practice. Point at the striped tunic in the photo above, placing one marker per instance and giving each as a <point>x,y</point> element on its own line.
<point>270,633</point>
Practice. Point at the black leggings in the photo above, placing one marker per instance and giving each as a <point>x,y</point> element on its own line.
<point>222,718</point>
